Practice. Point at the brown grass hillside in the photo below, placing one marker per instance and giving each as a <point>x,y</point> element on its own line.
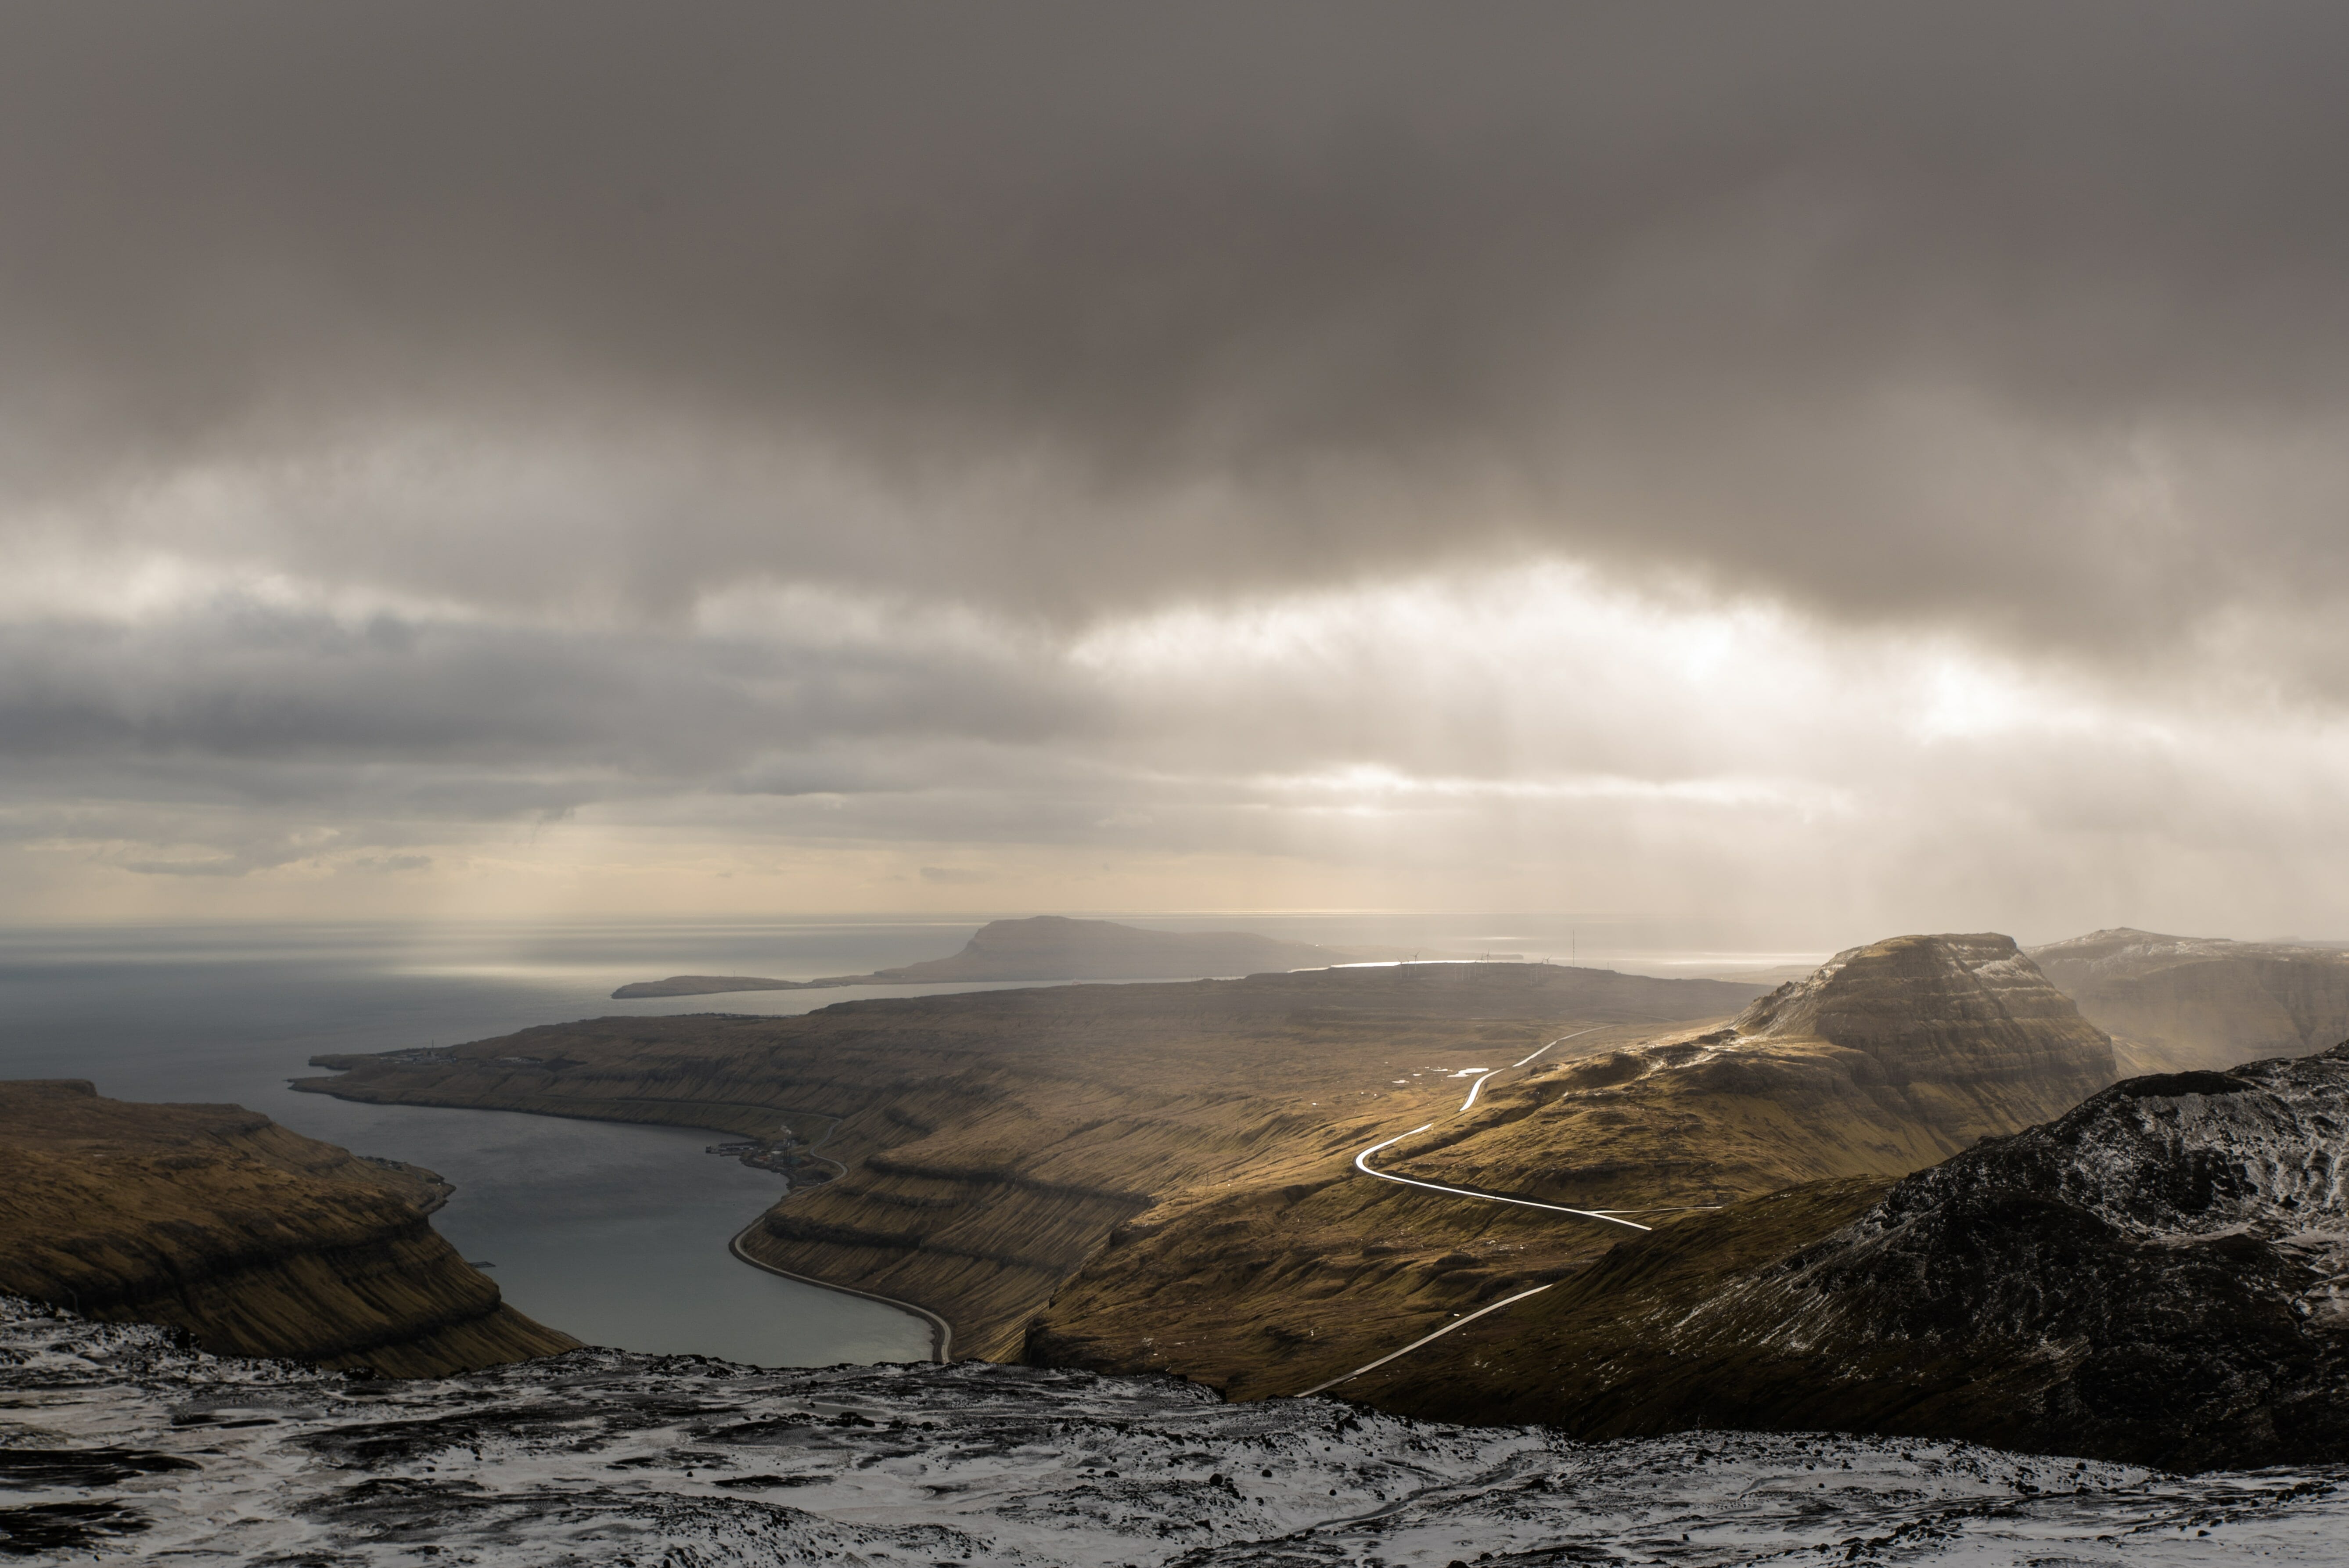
<point>257,1241</point>
<point>1890,1059</point>
<point>994,1142</point>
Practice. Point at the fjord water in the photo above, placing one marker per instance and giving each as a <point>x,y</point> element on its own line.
<point>613,1232</point>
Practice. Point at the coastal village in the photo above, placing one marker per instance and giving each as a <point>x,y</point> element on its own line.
<point>787,1155</point>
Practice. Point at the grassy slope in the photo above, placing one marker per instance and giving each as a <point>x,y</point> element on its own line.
<point>994,1142</point>
<point>1598,1354</point>
<point>256,1239</point>
<point>1269,1287</point>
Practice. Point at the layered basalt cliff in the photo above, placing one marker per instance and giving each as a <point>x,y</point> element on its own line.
<point>1950,1009</point>
<point>257,1241</point>
<point>2176,1003</point>
<point>1890,1057</point>
<point>2160,1276</point>
<point>988,1144</point>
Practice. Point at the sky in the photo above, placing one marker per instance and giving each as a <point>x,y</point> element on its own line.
<point>1830,468</point>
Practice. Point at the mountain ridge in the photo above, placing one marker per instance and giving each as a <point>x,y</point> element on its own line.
<point>1237,1286</point>
<point>2176,1003</point>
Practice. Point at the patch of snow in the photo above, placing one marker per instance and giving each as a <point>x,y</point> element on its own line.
<point>605,1457</point>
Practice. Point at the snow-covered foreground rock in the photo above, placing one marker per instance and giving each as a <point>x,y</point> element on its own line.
<point>115,1442</point>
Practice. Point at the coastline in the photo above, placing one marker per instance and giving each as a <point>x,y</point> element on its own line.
<point>941,1331</point>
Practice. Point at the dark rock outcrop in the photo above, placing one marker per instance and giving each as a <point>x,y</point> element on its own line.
<point>2159,1276</point>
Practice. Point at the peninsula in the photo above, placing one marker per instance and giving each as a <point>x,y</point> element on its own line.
<point>255,1240</point>
<point>991,1141</point>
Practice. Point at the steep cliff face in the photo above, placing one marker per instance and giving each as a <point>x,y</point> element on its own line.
<point>2176,1003</point>
<point>1966,1027</point>
<point>255,1240</point>
<point>2161,1276</point>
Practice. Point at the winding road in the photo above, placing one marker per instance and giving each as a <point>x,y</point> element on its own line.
<point>1607,1216</point>
<point>941,1331</point>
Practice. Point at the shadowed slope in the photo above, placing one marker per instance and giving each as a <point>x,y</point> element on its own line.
<point>257,1241</point>
<point>2156,1276</point>
<point>2175,1004</point>
<point>1888,1059</point>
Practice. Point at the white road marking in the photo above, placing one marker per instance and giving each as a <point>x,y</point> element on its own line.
<point>1456,1323</point>
<point>1361,1163</point>
<point>1521,1061</point>
<point>1488,1197</point>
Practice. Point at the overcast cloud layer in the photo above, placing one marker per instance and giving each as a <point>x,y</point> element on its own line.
<point>1843,466</point>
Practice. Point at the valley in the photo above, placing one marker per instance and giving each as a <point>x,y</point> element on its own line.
<point>1892,1057</point>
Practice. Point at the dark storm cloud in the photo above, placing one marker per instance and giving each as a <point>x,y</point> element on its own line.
<point>272,707</point>
<point>2032,314</point>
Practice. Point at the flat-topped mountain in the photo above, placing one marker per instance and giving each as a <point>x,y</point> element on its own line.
<point>255,1240</point>
<point>1048,947</point>
<point>2176,1003</point>
<point>1887,1059</point>
<point>2160,1275</point>
<point>1966,1027</point>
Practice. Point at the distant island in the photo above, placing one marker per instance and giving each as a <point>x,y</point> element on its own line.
<point>1053,947</point>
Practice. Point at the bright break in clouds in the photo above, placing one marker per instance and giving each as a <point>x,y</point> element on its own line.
<point>1836,466</point>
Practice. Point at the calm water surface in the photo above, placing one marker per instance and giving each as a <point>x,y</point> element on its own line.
<point>612,1233</point>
